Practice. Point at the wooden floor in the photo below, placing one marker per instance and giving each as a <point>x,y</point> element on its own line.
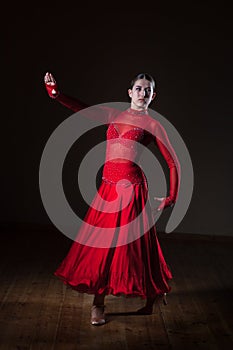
<point>39,312</point>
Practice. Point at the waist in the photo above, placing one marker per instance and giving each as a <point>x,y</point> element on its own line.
<point>116,171</point>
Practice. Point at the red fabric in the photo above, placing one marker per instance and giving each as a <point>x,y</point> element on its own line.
<point>71,103</point>
<point>101,260</point>
<point>163,143</point>
<point>134,269</point>
<point>52,90</point>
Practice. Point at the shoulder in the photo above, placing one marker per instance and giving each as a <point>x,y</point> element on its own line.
<point>153,125</point>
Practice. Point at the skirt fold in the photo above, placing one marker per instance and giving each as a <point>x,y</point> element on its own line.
<point>111,257</point>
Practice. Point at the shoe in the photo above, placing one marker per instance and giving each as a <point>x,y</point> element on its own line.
<point>145,310</point>
<point>165,299</point>
<point>97,315</point>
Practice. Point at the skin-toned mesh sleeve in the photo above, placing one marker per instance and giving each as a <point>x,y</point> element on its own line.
<point>104,114</point>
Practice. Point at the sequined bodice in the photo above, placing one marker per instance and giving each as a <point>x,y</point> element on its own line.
<point>123,149</point>
<point>123,146</point>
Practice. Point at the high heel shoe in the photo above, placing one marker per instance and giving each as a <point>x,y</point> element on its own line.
<point>145,310</point>
<point>165,299</point>
<point>97,315</point>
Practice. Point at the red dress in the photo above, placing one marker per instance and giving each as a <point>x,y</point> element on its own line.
<point>116,250</point>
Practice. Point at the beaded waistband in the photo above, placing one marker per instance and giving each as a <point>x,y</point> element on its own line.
<point>128,171</point>
<point>122,182</point>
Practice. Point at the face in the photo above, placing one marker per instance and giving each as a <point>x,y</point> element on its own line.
<point>141,94</point>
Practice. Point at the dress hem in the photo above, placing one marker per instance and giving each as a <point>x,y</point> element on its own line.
<point>84,288</point>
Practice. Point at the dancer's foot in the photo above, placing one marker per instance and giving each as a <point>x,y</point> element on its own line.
<point>97,315</point>
<point>145,310</point>
<point>148,308</point>
<point>165,299</point>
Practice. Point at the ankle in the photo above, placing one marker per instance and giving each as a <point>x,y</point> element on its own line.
<point>98,305</point>
<point>150,302</point>
<point>99,300</point>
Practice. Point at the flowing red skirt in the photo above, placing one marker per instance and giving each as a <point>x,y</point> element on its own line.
<point>116,250</point>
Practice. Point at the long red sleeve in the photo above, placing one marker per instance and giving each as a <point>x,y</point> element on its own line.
<point>171,159</point>
<point>67,101</point>
<point>100,113</point>
<point>70,102</point>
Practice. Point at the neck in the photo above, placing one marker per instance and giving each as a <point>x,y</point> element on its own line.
<point>137,111</point>
<point>138,108</point>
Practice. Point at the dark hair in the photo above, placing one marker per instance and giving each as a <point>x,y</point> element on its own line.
<point>144,76</point>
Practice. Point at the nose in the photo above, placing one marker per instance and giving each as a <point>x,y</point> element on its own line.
<point>146,93</point>
<point>142,93</point>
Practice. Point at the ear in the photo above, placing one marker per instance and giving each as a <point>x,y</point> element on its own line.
<point>130,92</point>
<point>153,96</point>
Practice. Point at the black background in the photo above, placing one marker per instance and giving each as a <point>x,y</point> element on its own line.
<point>94,50</point>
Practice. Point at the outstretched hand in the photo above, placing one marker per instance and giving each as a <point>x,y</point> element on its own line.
<point>51,85</point>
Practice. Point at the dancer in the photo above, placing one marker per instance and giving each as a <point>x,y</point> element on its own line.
<point>128,260</point>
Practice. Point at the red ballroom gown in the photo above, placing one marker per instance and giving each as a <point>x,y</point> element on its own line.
<point>116,250</point>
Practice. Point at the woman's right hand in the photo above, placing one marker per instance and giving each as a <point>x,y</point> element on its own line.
<point>51,85</point>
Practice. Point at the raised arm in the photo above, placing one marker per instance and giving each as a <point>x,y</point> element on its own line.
<point>103,113</point>
<point>53,91</point>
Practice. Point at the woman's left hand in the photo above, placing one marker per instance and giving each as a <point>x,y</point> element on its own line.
<point>164,202</point>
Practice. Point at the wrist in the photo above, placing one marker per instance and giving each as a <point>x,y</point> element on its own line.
<point>54,94</point>
<point>170,201</point>
<point>52,91</point>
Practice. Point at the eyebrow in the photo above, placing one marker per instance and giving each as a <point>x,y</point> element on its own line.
<point>147,87</point>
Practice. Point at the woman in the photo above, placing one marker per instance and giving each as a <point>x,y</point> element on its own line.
<point>128,261</point>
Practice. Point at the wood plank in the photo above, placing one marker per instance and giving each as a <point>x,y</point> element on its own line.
<point>68,330</point>
<point>185,323</point>
<point>39,312</point>
<point>19,306</point>
<point>49,317</point>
